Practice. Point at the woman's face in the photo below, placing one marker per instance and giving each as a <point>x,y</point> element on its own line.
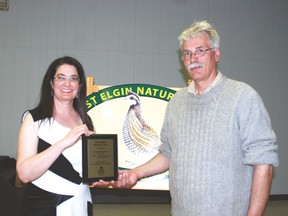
<point>65,83</point>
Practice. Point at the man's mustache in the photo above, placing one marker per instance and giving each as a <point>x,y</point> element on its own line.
<point>194,65</point>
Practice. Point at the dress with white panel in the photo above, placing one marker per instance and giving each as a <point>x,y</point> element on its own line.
<point>59,191</point>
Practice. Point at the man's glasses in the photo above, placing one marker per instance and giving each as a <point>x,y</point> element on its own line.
<point>187,54</point>
<point>71,79</point>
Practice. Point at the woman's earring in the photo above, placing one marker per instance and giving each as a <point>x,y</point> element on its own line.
<point>52,92</point>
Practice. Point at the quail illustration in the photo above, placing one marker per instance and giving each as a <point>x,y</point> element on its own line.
<point>139,137</point>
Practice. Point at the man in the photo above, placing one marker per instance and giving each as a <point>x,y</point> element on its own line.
<point>217,140</point>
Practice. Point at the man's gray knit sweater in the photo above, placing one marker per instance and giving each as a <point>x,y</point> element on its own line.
<point>212,142</point>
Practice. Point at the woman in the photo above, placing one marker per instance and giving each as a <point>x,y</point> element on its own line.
<point>49,144</point>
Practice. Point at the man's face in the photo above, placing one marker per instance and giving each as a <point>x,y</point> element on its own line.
<point>201,68</point>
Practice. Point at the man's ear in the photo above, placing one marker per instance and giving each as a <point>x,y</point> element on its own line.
<point>217,55</point>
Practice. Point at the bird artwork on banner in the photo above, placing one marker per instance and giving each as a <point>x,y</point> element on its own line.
<point>139,137</point>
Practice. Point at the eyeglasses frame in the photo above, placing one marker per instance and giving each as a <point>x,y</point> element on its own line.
<point>70,79</point>
<point>195,53</point>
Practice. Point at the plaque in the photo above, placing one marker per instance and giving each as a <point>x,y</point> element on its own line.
<point>99,157</point>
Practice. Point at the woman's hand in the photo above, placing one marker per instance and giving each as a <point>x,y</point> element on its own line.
<point>75,134</point>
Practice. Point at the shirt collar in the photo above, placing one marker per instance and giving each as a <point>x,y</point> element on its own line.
<point>192,89</point>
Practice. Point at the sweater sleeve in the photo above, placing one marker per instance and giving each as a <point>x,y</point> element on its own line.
<point>259,140</point>
<point>165,147</point>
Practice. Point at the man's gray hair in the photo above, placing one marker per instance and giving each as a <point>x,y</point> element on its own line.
<point>198,28</point>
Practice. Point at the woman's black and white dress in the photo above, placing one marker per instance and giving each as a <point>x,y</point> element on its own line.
<point>59,191</point>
